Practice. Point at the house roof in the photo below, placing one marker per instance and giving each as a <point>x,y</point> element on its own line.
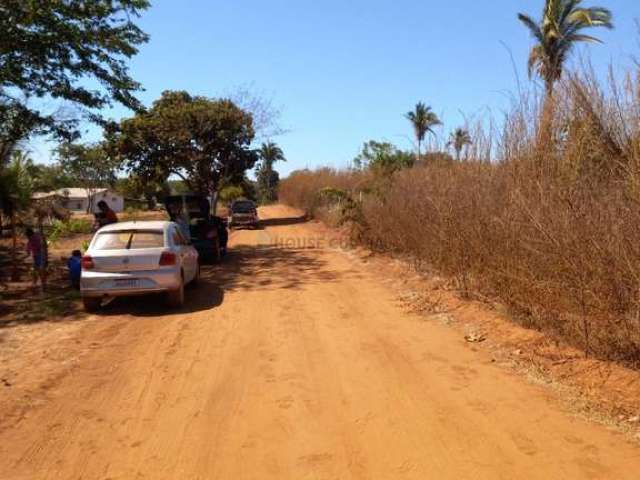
<point>74,192</point>
<point>41,195</point>
<point>71,192</point>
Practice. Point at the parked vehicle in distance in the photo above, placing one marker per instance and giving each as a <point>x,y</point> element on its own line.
<point>206,232</point>
<point>243,213</point>
<point>137,258</point>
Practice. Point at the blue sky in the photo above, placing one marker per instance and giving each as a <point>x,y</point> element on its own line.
<point>344,72</point>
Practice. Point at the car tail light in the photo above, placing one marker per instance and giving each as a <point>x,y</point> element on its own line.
<point>87,263</point>
<point>167,258</point>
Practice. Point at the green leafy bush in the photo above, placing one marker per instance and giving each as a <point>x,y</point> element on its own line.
<point>66,228</point>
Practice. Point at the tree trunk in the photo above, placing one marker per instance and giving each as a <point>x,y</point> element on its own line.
<point>419,145</point>
<point>545,141</point>
<point>214,201</point>
<point>45,246</point>
<point>89,201</point>
<point>15,274</point>
<point>546,123</point>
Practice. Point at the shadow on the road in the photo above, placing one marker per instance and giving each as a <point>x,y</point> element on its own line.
<point>279,222</point>
<point>206,295</point>
<point>246,267</point>
<point>273,267</point>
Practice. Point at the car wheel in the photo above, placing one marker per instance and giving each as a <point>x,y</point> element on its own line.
<point>91,304</point>
<point>175,298</point>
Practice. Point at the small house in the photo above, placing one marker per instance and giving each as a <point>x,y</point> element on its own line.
<point>81,200</point>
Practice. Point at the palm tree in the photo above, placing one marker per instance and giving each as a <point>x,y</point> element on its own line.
<point>266,177</point>
<point>458,139</point>
<point>559,30</point>
<point>423,120</point>
<point>270,153</point>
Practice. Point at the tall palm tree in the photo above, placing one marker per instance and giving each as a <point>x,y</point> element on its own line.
<point>266,177</point>
<point>423,120</point>
<point>270,153</point>
<point>458,139</point>
<point>558,31</point>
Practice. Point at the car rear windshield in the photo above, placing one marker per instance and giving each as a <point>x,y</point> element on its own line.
<point>129,240</point>
<point>243,207</point>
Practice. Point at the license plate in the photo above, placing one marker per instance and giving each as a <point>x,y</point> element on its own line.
<point>126,283</point>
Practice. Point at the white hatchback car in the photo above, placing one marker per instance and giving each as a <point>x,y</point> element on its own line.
<point>136,258</point>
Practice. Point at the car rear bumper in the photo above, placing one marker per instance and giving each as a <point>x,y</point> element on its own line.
<point>111,284</point>
<point>239,222</point>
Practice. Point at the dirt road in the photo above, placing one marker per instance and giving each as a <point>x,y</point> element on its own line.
<point>292,362</point>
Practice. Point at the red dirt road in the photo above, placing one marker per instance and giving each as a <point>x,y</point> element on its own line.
<point>291,363</point>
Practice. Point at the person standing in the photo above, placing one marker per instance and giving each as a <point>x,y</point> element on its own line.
<point>37,249</point>
<point>74,264</point>
<point>106,215</point>
<point>178,215</point>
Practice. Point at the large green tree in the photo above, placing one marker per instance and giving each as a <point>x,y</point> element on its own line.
<point>556,33</point>
<point>267,178</point>
<point>205,142</point>
<point>72,51</point>
<point>423,119</point>
<point>382,158</point>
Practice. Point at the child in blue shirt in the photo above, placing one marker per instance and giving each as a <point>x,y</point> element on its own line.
<point>75,268</point>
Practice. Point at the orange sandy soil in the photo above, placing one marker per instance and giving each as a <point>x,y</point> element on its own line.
<point>600,390</point>
<point>296,359</point>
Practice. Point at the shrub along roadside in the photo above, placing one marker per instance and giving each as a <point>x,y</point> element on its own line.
<point>66,228</point>
<point>554,236</point>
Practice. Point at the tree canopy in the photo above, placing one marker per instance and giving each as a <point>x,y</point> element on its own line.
<point>559,29</point>
<point>203,141</point>
<point>423,119</point>
<point>458,139</point>
<point>69,50</point>
<point>267,178</point>
<point>382,157</point>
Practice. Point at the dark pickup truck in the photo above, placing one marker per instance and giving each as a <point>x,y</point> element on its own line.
<point>207,232</point>
<point>243,213</point>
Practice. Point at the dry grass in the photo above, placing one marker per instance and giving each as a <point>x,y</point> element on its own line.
<point>302,188</point>
<point>549,229</point>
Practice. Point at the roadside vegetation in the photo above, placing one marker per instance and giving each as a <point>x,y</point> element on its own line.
<point>543,215</point>
<point>180,143</point>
